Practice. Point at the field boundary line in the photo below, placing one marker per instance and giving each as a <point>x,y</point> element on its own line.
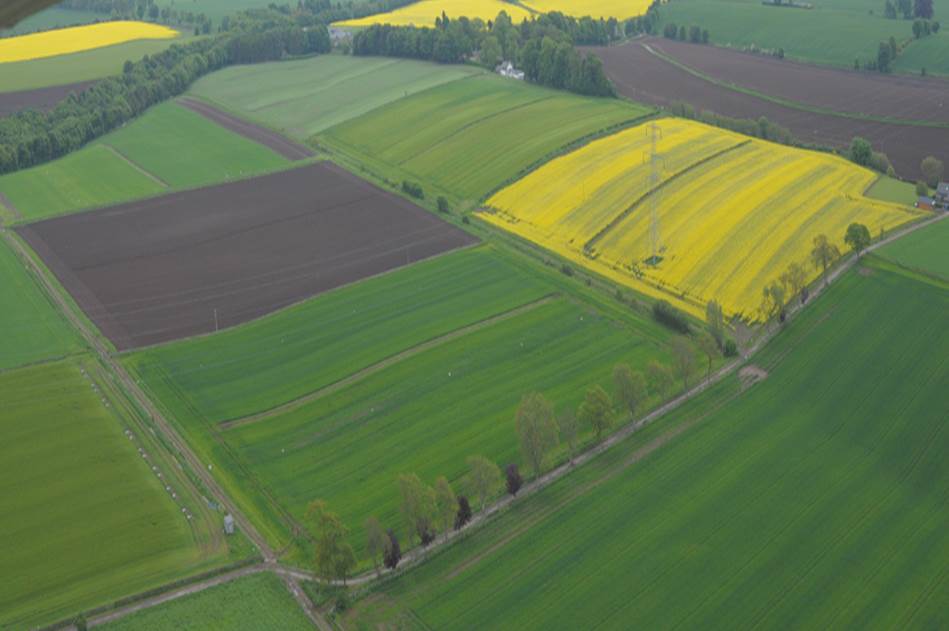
<point>368,371</point>
<point>136,166</point>
<point>6,203</point>
<point>796,105</point>
<point>148,407</point>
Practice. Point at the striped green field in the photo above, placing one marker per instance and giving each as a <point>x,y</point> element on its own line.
<point>422,407</point>
<point>168,148</point>
<point>816,499</point>
<point>252,603</point>
<point>84,518</point>
<point>33,329</point>
<point>303,97</point>
<point>469,137</point>
<point>926,250</point>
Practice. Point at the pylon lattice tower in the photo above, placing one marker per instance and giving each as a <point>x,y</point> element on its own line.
<point>656,164</point>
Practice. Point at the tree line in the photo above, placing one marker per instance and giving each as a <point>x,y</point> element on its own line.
<point>543,47</point>
<point>29,138</point>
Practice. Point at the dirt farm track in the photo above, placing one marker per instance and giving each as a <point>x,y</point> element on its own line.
<point>183,264</point>
<point>646,77</point>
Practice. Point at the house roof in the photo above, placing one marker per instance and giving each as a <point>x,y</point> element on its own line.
<point>925,200</point>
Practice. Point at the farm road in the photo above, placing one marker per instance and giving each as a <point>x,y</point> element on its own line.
<point>415,556</point>
<point>280,144</point>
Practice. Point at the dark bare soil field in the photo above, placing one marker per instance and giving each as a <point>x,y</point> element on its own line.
<point>284,146</point>
<point>40,99</point>
<point>170,267</point>
<point>890,96</point>
<point>642,76</point>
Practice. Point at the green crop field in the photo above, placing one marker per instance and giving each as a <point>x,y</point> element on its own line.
<point>930,53</point>
<point>423,411</point>
<point>169,147</point>
<point>284,356</point>
<point>214,9</point>
<point>85,66</point>
<point>306,96</point>
<point>926,250</point>
<point>258,601</point>
<point>816,499</point>
<point>468,137</point>
<point>51,18</point>
<point>84,518</point>
<point>890,189</point>
<point>32,328</point>
<point>834,32</point>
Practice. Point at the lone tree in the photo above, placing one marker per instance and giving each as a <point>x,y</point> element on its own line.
<point>376,541</point>
<point>334,557</point>
<point>418,507</point>
<point>684,360</point>
<point>710,347</point>
<point>860,149</point>
<point>922,188</point>
<point>794,280</point>
<point>932,169</point>
<point>773,300</point>
<point>597,410</point>
<point>715,320</point>
<point>660,377</point>
<point>484,478</point>
<point>513,479</point>
<point>463,515</point>
<point>630,387</point>
<point>569,431</point>
<point>823,254</point>
<point>445,503</point>
<point>857,237</point>
<point>537,429</point>
<point>393,553</point>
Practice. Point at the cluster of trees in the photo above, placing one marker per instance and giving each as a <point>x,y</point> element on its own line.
<point>28,138</point>
<point>908,9</point>
<point>932,169</point>
<point>761,128</point>
<point>924,28</point>
<point>694,34</point>
<point>861,152</point>
<point>542,47</point>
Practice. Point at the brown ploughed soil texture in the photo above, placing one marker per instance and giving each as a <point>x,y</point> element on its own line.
<point>284,146</point>
<point>187,263</point>
<point>642,76</point>
<point>871,93</point>
<point>41,99</point>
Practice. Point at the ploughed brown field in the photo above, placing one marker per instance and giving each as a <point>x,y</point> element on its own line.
<point>871,93</point>
<point>645,77</point>
<point>40,99</point>
<point>183,264</point>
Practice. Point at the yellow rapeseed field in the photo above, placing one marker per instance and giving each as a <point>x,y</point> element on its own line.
<point>619,9</point>
<point>424,13</point>
<point>734,212</point>
<point>78,38</point>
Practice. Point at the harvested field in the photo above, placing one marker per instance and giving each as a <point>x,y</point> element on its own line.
<point>644,77</point>
<point>40,99</point>
<point>188,263</point>
<point>892,96</point>
<point>285,147</point>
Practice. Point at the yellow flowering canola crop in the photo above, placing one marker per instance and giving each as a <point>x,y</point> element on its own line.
<point>619,9</point>
<point>424,13</point>
<point>78,38</point>
<point>734,212</point>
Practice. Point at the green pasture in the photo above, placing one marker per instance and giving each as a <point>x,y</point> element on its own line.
<point>306,96</point>
<point>51,18</point>
<point>33,329</point>
<point>468,137</point>
<point>258,601</point>
<point>167,148</point>
<point>84,519</point>
<point>889,189</point>
<point>834,32</point>
<point>85,66</point>
<point>289,354</point>
<point>816,499</point>
<point>925,250</point>
<point>214,9</point>
<point>931,53</point>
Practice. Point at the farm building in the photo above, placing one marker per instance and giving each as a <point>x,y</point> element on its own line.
<point>942,195</point>
<point>925,203</point>
<point>507,69</point>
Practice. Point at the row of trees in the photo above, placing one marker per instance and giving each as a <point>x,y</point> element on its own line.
<point>542,47</point>
<point>28,138</point>
<point>142,10</point>
<point>861,152</point>
<point>694,34</point>
<point>908,9</point>
<point>761,128</point>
